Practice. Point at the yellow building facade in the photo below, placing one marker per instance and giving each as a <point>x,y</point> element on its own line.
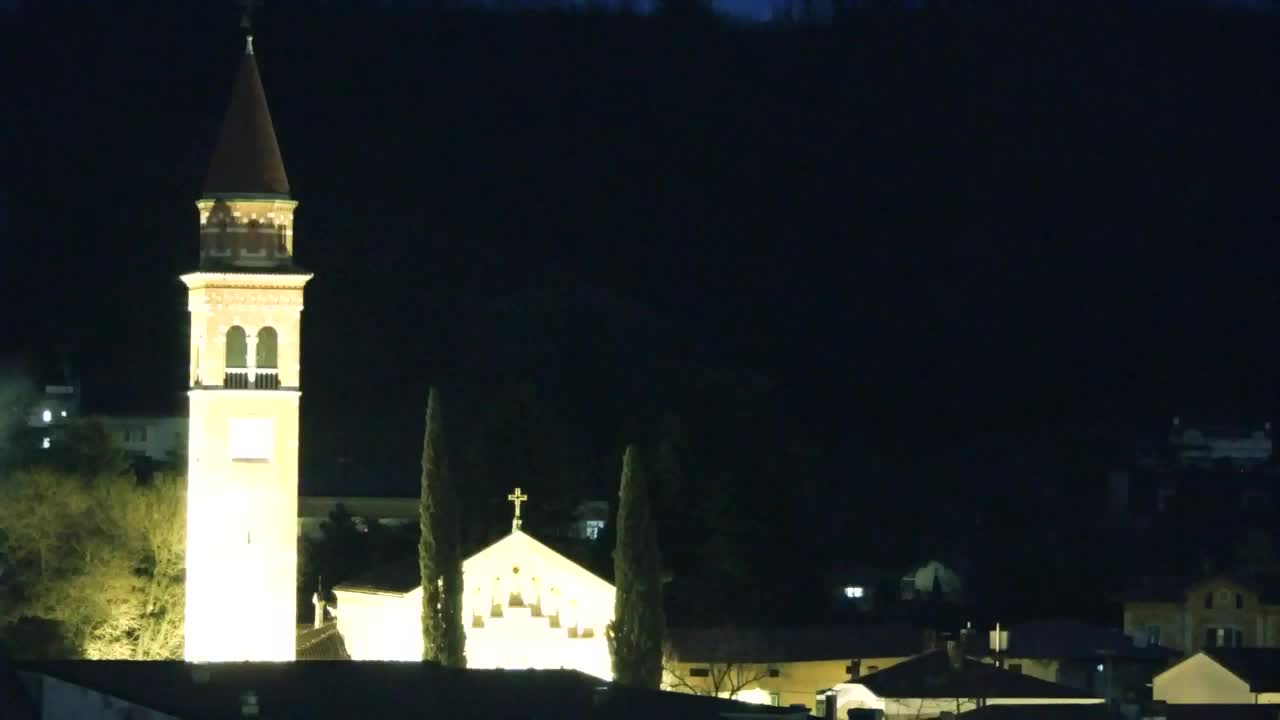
<point>1219,611</point>
<point>244,380</point>
<point>783,683</point>
<point>783,666</point>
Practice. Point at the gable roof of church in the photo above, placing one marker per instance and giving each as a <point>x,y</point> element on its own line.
<point>404,576</point>
<point>247,158</point>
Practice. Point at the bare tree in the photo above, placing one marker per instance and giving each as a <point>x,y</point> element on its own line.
<point>101,559</point>
<point>718,662</point>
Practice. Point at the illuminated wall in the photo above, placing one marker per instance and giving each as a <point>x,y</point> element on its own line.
<point>795,683</point>
<point>526,606</point>
<point>1202,680</point>
<point>242,477</point>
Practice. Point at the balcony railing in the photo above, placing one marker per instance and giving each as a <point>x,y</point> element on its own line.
<point>251,379</point>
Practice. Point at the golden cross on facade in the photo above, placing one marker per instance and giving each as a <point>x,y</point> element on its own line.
<point>517,497</point>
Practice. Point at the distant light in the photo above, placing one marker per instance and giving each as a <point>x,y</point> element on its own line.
<point>853,591</point>
<point>44,444</point>
<point>46,415</point>
<point>64,413</point>
<point>1099,667</point>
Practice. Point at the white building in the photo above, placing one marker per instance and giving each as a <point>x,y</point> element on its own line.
<point>524,604</point>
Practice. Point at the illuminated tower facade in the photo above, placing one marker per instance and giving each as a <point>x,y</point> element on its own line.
<point>242,477</point>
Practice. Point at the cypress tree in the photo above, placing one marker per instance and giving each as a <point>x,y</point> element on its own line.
<point>636,633</point>
<point>439,551</point>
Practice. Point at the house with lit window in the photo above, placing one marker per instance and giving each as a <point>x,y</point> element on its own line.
<point>1216,612</point>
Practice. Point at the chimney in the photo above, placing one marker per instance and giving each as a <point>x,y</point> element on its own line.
<point>955,655</point>
<point>318,603</point>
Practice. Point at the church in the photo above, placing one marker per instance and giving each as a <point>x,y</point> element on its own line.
<point>525,605</point>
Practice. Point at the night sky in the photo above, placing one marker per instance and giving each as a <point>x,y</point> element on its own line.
<point>924,232</point>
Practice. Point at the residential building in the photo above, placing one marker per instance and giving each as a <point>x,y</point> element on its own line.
<point>1240,676</point>
<point>784,666</point>
<point>1219,611</point>
<point>1100,661</point>
<point>944,682</point>
<point>155,438</point>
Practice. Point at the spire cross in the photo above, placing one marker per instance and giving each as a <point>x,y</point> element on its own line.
<point>517,497</point>
<point>246,22</point>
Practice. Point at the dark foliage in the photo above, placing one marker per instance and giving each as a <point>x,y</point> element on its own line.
<point>637,632</point>
<point>439,551</point>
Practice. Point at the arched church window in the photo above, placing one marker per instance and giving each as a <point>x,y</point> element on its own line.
<point>237,348</point>
<point>267,347</point>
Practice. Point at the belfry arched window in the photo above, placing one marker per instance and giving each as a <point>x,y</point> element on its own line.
<point>237,348</point>
<point>267,347</point>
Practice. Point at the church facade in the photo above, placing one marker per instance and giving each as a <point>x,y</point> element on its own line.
<point>245,301</point>
<point>525,607</point>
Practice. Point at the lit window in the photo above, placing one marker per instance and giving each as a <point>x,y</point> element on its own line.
<point>46,416</point>
<point>44,444</point>
<point>64,413</point>
<point>593,528</point>
<point>251,438</point>
<point>853,591</point>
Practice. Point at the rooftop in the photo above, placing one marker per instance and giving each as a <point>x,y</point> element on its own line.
<point>246,161</point>
<point>377,689</point>
<point>932,676</point>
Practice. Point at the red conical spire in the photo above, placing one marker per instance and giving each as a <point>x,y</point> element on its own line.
<point>247,159</point>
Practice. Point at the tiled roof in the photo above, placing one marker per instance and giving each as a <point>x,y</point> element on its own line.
<point>322,643</point>
<point>782,644</point>
<point>247,158</point>
<point>1071,639</point>
<point>1174,590</point>
<point>1260,667</point>
<point>931,676</point>
<point>1096,711</point>
<point>318,690</point>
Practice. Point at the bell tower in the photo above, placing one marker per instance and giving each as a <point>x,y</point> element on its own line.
<point>242,477</point>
